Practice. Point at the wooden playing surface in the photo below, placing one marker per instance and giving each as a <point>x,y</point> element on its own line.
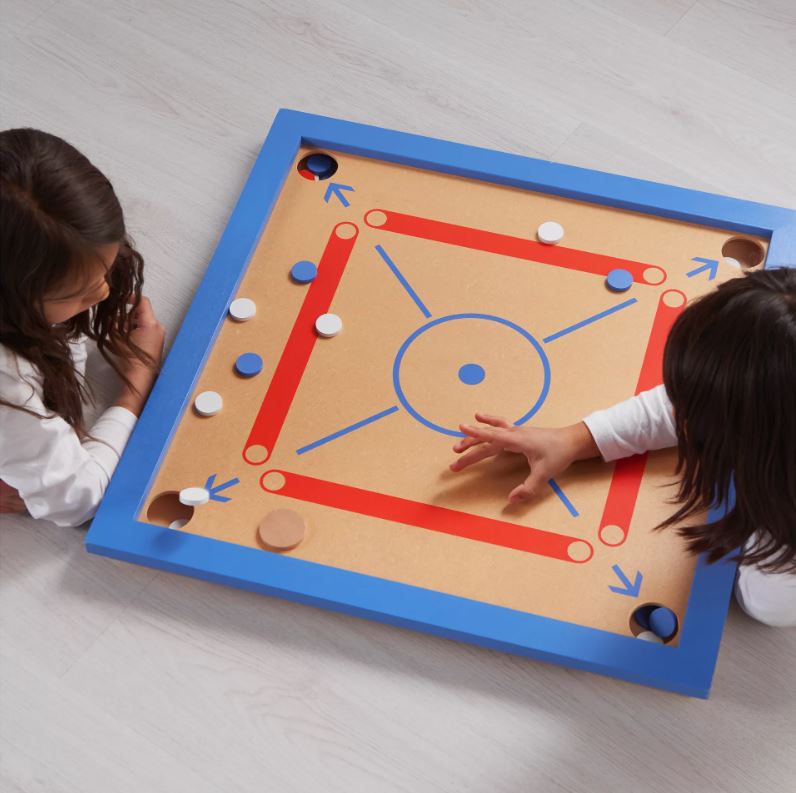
<point>349,378</point>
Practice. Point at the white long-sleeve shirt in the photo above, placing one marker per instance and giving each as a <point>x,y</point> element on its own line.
<point>58,476</point>
<point>646,422</point>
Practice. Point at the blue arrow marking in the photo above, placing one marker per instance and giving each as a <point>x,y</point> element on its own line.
<point>712,265</point>
<point>214,491</point>
<point>631,590</point>
<point>336,189</point>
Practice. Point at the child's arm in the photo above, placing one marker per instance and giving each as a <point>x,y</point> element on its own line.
<point>549,451</point>
<point>56,476</point>
<point>767,597</point>
<point>149,335</point>
<point>639,424</point>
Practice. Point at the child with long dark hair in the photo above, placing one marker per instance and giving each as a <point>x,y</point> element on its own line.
<point>68,272</point>
<point>728,402</point>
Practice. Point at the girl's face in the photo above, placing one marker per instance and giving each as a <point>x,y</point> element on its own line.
<point>65,302</point>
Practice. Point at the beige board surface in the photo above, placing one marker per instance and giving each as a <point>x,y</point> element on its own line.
<point>349,378</point>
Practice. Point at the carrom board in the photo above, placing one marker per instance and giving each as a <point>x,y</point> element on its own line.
<point>427,251</point>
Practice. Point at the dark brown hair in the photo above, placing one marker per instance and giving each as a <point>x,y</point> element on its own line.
<point>730,372</point>
<point>56,210</point>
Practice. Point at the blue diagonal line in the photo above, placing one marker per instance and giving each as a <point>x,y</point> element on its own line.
<point>608,311</point>
<point>566,502</point>
<point>369,420</point>
<point>404,283</point>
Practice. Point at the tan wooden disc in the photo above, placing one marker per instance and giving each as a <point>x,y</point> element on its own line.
<point>282,530</point>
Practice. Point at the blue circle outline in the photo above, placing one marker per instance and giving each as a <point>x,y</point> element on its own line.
<point>396,369</point>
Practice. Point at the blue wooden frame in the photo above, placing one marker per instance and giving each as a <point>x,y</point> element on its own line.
<point>116,532</point>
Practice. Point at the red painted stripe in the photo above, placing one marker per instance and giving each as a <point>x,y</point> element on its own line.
<point>628,472</point>
<point>298,348</point>
<point>622,495</point>
<point>428,516</point>
<point>506,245</point>
<point>651,374</point>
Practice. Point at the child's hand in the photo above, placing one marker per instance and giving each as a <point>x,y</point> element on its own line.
<point>10,500</point>
<point>549,451</point>
<point>149,335</point>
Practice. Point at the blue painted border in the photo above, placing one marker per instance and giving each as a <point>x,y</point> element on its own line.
<point>687,668</point>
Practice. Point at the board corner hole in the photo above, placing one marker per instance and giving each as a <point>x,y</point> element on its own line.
<point>748,253</point>
<point>317,166</point>
<point>639,620</point>
<point>168,511</point>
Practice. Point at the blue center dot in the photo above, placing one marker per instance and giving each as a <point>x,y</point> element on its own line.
<point>471,374</point>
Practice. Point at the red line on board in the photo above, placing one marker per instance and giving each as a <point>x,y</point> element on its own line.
<point>429,516</point>
<point>651,373</point>
<point>629,471</point>
<point>622,495</point>
<point>506,245</point>
<point>298,348</point>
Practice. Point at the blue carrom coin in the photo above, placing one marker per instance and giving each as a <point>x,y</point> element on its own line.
<point>248,364</point>
<point>320,164</point>
<point>303,272</point>
<point>663,622</point>
<point>619,280</point>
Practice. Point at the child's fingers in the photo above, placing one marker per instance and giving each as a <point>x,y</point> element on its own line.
<point>464,444</point>
<point>529,488</point>
<point>492,435</point>
<point>144,314</point>
<point>475,456</point>
<point>495,421</point>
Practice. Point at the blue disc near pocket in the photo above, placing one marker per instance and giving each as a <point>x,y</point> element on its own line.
<point>663,622</point>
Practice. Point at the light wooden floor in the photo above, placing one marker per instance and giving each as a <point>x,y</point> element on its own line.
<point>115,678</point>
